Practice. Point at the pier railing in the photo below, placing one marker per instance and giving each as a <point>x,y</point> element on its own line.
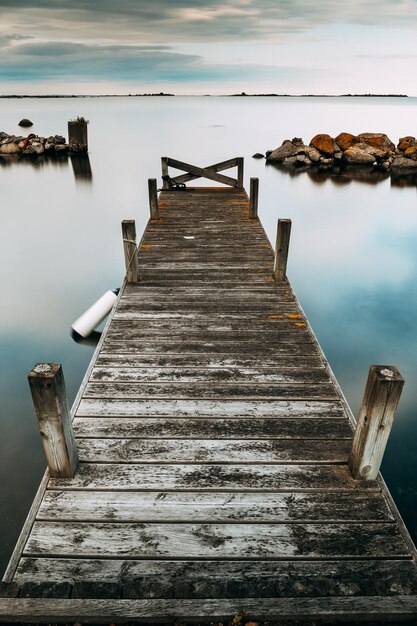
<point>211,172</point>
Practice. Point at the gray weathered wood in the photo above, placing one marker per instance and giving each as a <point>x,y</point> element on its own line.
<point>203,172</point>
<point>47,386</point>
<point>338,610</point>
<point>153,198</point>
<point>130,250</point>
<point>96,506</point>
<point>210,541</point>
<point>240,163</point>
<point>165,172</point>
<point>253,198</point>
<point>216,167</point>
<point>376,416</point>
<point>281,250</point>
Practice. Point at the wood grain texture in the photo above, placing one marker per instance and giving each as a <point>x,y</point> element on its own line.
<point>214,444</point>
<point>211,541</point>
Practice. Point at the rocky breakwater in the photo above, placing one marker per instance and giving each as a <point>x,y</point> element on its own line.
<point>369,150</point>
<point>32,145</point>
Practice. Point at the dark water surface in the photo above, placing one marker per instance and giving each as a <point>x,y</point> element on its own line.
<point>353,257</point>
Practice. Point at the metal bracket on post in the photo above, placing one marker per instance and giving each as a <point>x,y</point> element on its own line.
<point>382,393</point>
<point>47,385</point>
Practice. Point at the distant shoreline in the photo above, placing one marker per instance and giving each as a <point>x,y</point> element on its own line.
<point>233,95</point>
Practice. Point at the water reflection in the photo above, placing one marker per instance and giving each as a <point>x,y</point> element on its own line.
<point>37,162</point>
<point>341,176</point>
<point>82,168</point>
<point>91,340</point>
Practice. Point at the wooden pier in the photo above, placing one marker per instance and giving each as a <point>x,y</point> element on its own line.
<point>215,461</point>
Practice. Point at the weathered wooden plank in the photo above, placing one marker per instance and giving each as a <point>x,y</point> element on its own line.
<point>217,167</point>
<point>201,172</point>
<point>211,451</point>
<point>231,348</point>
<point>339,610</point>
<point>206,361</point>
<point>91,407</point>
<point>211,541</point>
<point>217,428</point>
<point>131,390</point>
<point>297,333</point>
<point>213,374</point>
<point>120,477</point>
<point>213,507</point>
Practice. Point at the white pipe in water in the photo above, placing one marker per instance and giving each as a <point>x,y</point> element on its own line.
<point>89,320</point>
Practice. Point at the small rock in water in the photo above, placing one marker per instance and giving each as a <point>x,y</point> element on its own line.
<point>257,155</point>
<point>38,148</point>
<point>25,123</point>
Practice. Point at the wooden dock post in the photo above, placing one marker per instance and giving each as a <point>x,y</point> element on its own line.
<point>165,172</point>
<point>240,162</point>
<point>153,198</point>
<point>46,381</point>
<point>281,250</point>
<point>130,249</point>
<point>376,415</point>
<point>253,198</point>
<point>78,135</point>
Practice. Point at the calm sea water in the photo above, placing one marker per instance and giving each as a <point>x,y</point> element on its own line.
<point>353,257</point>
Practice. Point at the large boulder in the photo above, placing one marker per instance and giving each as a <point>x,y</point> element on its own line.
<point>286,150</point>
<point>377,140</point>
<point>346,141</point>
<point>38,147</point>
<point>324,144</point>
<point>357,155</point>
<point>403,165</point>
<point>406,142</point>
<point>9,148</point>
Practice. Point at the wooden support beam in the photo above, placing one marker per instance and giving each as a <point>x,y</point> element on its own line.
<point>130,250</point>
<point>253,198</point>
<point>47,386</point>
<point>240,161</point>
<point>216,167</point>
<point>201,172</point>
<point>153,198</point>
<point>281,250</point>
<point>164,167</point>
<point>376,415</point>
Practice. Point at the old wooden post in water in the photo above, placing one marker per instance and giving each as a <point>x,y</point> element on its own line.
<point>253,198</point>
<point>47,385</point>
<point>376,415</point>
<point>78,135</point>
<point>153,198</point>
<point>281,250</point>
<point>130,250</point>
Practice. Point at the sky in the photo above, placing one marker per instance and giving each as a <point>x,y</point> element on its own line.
<point>208,47</point>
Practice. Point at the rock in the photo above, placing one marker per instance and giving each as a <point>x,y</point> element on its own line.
<point>297,141</point>
<point>9,148</point>
<point>411,153</point>
<point>313,154</point>
<point>326,162</point>
<point>29,150</point>
<point>257,155</point>
<point>377,140</point>
<point>25,123</point>
<point>346,140</point>
<point>61,147</point>
<point>290,161</point>
<point>3,136</point>
<point>301,157</point>
<point>59,139</point>
<point>358,156</point>
<point>286,150</point>
<point>402,164</point>
<point>267,153</point>
<point>338,155</point>
<point>406,142</point>
<point>49,147</point>
<point>38,148</point>
<point>324,144</point>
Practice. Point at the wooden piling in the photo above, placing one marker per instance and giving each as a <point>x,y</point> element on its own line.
<point>130,250</point>
<point>376,415</point>
<point>253,198</point>
<point>281,250</point>
<point>78,135</point>
<point>165,172</point>
<point>153,198</point>
<point>240,161</point>
<point>47,385</point>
